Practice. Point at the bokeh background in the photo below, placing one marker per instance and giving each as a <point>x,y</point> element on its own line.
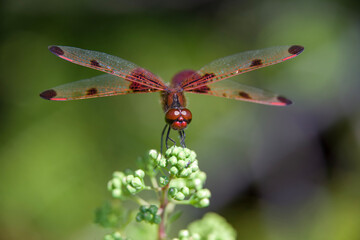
<point>274,172</point>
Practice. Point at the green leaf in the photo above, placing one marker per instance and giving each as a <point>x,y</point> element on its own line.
<point>175,216</point>
<point>110,216</point>
<point>213,226</point>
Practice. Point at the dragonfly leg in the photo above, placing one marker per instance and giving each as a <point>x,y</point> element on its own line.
<point>168,138</point>
<point>182,138</point>
<point>162,137</point>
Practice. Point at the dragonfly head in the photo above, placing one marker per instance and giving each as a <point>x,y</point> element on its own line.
<point>178,118</point>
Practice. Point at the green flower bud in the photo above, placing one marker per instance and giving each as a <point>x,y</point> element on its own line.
<point>185,172</point>
<point>179,196</point>
<point>203,193</point>
<point>117,236</point>
<point>153,209</point>
<point>129,178</point>
<point>172,191</point>
<point>108,237</point>
<point>164,180</point>
<point>116,182</point>
<point>173,171</point>
<point>172,160</point>
<point>176,150</point>
<point>137,183</point>
<point>189,160</point>
<point>153,154</point>
<point>185,191</point>
<point>147,216</point>
<point>116,193</point>
<point>143,208</point>
<point>181,155</point>
<point>194,166</point>
<point>196,236</point>
<point>184,233</point>
<point>197,184</point>
<point>187,152</point>
<point>131,189</point>
<point>139,217</point>
<point>162,162</point>
<point>198,180</point>
<point>181,164</point>
<point>169,151</point>
<point>204,202</point>
<point>139,173</point>
<point>192,155</point>
<point>157,219</point>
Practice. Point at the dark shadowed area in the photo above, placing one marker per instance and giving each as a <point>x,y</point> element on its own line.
<point>274,172</point>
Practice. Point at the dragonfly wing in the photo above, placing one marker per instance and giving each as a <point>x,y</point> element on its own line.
<point>235,90</point>
<point>109,64</point>
<point>99,86</point>
<point>240,63</point>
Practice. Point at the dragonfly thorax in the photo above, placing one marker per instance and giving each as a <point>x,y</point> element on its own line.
<point>178,118</point>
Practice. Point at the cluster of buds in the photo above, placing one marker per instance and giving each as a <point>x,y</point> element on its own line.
<point>191,191</point>
<point>201,198</point>
<point>180,181</point>
<point>114,236</point>
<point>122,184</point>
<point>148,214</point>
<point>186,235</point>
<point>180,162</point>
<point>185,179</point>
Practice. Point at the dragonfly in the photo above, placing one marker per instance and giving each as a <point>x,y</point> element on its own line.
<point>124,77</point>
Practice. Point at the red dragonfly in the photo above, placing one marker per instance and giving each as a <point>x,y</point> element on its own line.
<point>124,77</point>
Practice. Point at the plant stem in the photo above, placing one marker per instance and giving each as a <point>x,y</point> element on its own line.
<point>163,204</point>
<point>139,200</point>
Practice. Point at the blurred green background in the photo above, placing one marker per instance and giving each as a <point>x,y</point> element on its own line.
<point>275,173</point>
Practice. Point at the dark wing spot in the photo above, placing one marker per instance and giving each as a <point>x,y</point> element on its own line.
<point>91,91</point>
<point>48,94</point>
<point>203,89</point>
<point>134,86</point>
<point>296,49</point>
<point>56,50</point>
<point>137,87</point>
<point>95,63</point>
<point>244,95</point>
<point>256,62</point>
<point>284,100</point>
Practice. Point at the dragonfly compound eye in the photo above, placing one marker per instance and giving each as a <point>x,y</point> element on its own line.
<point>178,118</point>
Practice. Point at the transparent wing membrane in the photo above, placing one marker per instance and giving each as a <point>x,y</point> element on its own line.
<point>233,65</point>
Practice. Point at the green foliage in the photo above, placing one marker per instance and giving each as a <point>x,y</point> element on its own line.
<point>180,181</point>
<point>212,226</point>
<point>109,216</point>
